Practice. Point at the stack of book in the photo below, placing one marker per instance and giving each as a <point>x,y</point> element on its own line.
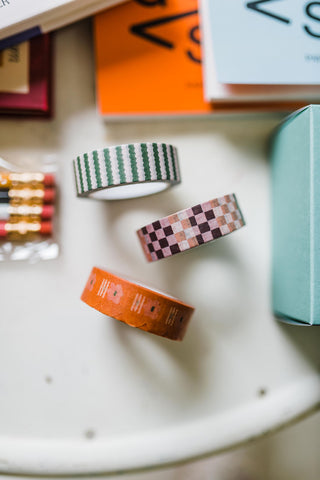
<point>149,60</point>
<point>25,50</point>
<point>168,57</point>
<point>25,78</point>
<point>261,52</point>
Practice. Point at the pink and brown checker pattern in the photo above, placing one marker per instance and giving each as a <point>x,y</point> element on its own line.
<point>191,227</point>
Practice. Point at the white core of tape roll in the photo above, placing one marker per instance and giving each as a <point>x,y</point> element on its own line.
<point>123,192</point>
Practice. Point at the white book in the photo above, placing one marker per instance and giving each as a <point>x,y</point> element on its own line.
<point>22,19</point>
<point>216,91</point>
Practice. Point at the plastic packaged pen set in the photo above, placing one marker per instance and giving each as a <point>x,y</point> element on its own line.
<point>28,211</point>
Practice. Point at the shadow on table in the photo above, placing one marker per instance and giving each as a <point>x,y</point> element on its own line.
<point>306,338</point>
<point>189,359</point>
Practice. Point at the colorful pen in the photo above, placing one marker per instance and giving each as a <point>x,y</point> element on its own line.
<point>23,210</point>
<point>25,228</point>
<point>9,179</point>
<point>46,195</point>
<point>4,196</point>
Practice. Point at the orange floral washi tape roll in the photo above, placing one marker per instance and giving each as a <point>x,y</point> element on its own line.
<point>137,305</point>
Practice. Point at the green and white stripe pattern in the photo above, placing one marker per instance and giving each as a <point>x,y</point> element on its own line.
<point>126,165</point>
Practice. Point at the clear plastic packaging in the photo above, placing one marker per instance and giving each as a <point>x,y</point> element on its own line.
<point>28,208</point>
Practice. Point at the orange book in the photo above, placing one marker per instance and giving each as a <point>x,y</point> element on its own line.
<point>148,62</point>
<point>149,59</point>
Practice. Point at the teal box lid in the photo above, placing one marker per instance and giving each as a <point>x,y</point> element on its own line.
<point>296,218</point>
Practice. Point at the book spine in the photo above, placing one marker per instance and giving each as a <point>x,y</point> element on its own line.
<point>19,37</point>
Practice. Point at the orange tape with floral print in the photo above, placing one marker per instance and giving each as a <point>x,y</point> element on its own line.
<point>137,305</point>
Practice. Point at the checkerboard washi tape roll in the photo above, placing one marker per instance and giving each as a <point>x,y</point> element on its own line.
<point>137,305</point>
<point>191,227</point>
<point>126,171</point>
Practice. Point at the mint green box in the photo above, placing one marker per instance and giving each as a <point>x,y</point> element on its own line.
<point>296,218</point>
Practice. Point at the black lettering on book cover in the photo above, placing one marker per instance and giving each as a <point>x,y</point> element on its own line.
<point>193,35</point>
<point>311,10</point>
<point>256,6</point>
<point>152,3</point>
<point>144,29</point>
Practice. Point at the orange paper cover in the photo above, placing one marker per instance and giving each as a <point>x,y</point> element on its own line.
<point>148,59</point>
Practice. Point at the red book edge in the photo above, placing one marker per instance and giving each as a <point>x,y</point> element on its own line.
<point>39,99</point>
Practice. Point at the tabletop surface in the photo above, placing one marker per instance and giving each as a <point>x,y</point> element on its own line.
<point>83,393</point>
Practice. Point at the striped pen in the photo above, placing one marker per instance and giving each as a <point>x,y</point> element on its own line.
<point>8,211</point>
<point>26,204</point>
<point>46,195</point>
<point>12,179</point>
<point>24,228</point>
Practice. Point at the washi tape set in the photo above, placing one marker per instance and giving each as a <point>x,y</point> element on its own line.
<point>136,170</point>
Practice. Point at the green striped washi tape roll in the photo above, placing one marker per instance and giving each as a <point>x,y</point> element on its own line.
<point>126,171</point>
